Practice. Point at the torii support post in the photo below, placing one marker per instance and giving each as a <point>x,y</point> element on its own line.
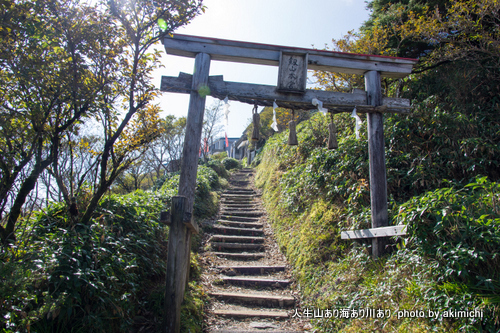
<point>376,152</point>
<point>179,242</point>
<point>177,264</point>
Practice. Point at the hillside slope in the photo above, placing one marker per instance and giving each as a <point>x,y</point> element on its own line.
<point>441,171</point>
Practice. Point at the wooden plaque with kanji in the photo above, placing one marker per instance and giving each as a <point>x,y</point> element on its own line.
<point>292,73</point>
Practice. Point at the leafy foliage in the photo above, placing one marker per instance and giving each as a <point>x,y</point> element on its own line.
<point>106,276</point>
<point>65,66</point>
<point>458,228</point>
<point>231,163</point>
<point>442,176</point>
<point>89,277</point>
<point>217,165</point>
<point>328,191</point>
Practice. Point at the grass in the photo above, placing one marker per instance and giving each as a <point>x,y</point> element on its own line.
<point>447,262</point>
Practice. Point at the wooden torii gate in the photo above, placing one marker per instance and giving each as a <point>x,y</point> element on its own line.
<point>290,92</point>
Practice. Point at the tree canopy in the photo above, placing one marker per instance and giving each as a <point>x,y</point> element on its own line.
<point>66,64</point>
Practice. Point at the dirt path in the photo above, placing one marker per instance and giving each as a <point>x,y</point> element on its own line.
<point>245,274</point>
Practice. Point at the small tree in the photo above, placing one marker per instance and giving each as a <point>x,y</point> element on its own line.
<point>57,61</point>
<point>167,147</point>
<point>212,126</point>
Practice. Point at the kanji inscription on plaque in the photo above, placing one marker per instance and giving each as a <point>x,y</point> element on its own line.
<point>292,73</point>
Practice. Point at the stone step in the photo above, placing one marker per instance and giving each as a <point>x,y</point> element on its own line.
<point>241,213</point>
<point>237,196</point>
<point>239,204</point>
<point>249,270</point>
<point>237,246</point>
<point>251,313</point>
<point>236,202</point>
<point>262,300</point>
<point>238,218</point>
<point>236,239</point>
<point>259,331</point>
<point>239,256</point>
<point>238,209</point>
<point>255,282</point>
<point>230,195</point>
<point>240,224</point>
<point>241,183</point>
<point>225,230</point>
<point>239,191</point>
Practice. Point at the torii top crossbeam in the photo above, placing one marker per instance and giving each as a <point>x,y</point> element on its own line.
<point>265,54</point>
<point>293,63</point>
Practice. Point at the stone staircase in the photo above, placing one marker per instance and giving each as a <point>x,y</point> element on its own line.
<point>248,278</point>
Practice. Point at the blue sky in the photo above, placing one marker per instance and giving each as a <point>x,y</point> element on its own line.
<point>299,23</point>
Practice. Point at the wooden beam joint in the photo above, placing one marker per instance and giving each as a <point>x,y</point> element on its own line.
<point>165,218</point>
<point>191,223</point>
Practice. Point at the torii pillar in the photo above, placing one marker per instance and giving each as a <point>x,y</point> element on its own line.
<point>182,225</point>
<point>376,152</point>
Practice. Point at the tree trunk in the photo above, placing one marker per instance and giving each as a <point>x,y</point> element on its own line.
<point>7,232</point>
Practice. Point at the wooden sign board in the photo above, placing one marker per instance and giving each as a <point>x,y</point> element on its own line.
<point>292,75</point>
<point>396,230</point>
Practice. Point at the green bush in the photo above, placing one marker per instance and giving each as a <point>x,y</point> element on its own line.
<point>450,261</point>
<point>459,230</point>
<point>219,156</point>
<point>91,277</point>
<point>231,163</point>
<point>258,158</point>
<point>218,167</point>
<point>104,277</point>
<point>205,203</point>
<point>458,227</point>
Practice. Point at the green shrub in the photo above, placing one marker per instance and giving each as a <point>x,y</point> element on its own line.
<point>90,277</point>
<point>219,156</point>
<point>459,230</point>
<point>231,163</point>
<point>218,167</point>
<point>104,277</point>
<point>458,227</point>
<point>205,202</point>
<point>258,158</point>
<point>450,261</point>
